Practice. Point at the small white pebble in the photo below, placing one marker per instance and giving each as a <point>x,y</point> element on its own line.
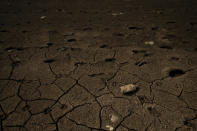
<point>9,50</point>
<point>17,59</point>
<point>109,127</point>
<point>116,14</point>
<point>128,88</point>
<point>114,118</point>
<point>149,42</point>
<point>43,17</point>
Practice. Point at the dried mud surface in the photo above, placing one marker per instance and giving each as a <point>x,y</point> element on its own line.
<point>63,63</point>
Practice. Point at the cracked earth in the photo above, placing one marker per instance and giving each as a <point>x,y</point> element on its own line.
<point>63,63</point>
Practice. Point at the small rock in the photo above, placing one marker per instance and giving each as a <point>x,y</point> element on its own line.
<point>17,59</point>
<point>43,17</point>
<point>9,50</point>
<point>128,88</point>
<point>109,127</point>
<point>116,14</point>
<point>114,118</point>
<point>149,42</point>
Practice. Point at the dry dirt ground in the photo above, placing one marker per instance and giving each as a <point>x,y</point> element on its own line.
<point>63,62</point>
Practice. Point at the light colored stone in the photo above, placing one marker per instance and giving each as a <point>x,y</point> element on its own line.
<point>110,127</point>
<point>149,42</point>
<point>117,14</point>
<point>43,17</point>
<point>114,118</point>
<point>128,88</point>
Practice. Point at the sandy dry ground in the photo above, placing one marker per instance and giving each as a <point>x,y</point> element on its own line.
<point>63,63</point>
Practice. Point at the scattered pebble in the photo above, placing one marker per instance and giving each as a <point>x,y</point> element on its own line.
<point>149,42</point>
<point>43,17</point>
<point>116,14</point>
<point>110,127</point>
<point>114,118</point>
<point>17,59</point>
<point>10,50</point>
<point>128,88</point>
